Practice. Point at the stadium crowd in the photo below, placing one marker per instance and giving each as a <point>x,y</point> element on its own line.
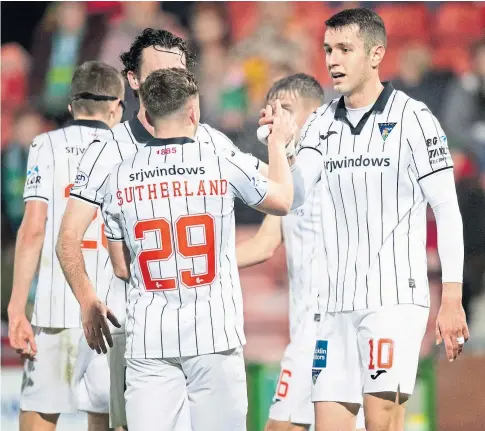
<point>242,48</point>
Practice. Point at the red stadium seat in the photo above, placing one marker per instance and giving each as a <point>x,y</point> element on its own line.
<point>405,21</point>
<point>454,57</point>
<point>243,17</point>
<point>458,23</point>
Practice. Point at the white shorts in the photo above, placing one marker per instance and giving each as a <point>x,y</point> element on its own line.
<point>91,378</point>
<point>368,351</point>
<point>197,393</point>
<point>292,400</point>
<point>117,369</point>
<point>53,382</point>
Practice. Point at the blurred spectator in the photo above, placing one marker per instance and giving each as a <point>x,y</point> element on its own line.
<point>65,37</point>
<point>465,107</point>
<point>210,33</point>
<point>419,81</point>
<point>15,69</point>
<point>27,125</point>
<point>135,16</point>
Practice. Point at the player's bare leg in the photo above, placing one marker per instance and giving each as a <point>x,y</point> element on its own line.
<point>273,425</point>
<point>98,422</point>
<point>384,411</point>
<point>34,421</point>
<point>333,416</point>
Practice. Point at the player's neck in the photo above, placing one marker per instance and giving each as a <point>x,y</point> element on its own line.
<point>169,129</point>
<point>365,96</point>
<point>143,120</point>
<point>92,118</point>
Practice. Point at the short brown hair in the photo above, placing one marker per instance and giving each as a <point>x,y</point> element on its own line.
<point>165,91</point>
<point>96,78</point>
<point>371,26</point>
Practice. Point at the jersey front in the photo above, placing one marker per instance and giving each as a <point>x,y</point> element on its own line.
<point>52,166</point>
<point>127,139</point>
<point>307,274</point>
<point>173,206</point>
<point>373,208</point>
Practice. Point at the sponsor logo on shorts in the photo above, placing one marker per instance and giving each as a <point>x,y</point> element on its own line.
<point>377,374</point>
<point>319,359</point>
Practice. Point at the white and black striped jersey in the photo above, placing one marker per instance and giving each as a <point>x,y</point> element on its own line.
<point>307,274</point>
<point>173,205</point>
<point>52,166</point>
<point>373,207</point>
<point>127,138</point>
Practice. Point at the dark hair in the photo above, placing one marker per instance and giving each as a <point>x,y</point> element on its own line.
<point>371,26</point>
<point>165,91</point>
<point>300,83</point>
<point>156,38</point>
<point>96,78</point>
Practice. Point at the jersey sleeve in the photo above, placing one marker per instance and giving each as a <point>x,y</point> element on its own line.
<point>223,144</point>
<point>247,183</point>
<point>427,141</point>
<point>111,210</point>
<point>93,171</point>
<point>39,183</point>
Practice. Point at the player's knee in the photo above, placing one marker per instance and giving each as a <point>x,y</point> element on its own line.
<point>380,410</point>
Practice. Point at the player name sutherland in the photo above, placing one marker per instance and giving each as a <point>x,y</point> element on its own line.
<point>172,189</point>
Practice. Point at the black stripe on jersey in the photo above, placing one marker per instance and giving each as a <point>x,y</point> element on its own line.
<point>210,307</point>
<point>69,176</point>
<point>109,285</point>
<point>409,231</point>
<point>414,160</point>
<point>145,331</point>
<point>131,137</point>
<point>424,137</point>
<point>193,259</point>
<point>84,199</point>
<point>53,223</point>
<point>397,199</point>
<point>434,172</point>
<point>358,237</point>
<point>99,188</point>
<point>117,144</point>
<point>372,132</point>
<point>348,239</point>
<point>382,242</point>
<point>97,157</point>
<point>220,249</point>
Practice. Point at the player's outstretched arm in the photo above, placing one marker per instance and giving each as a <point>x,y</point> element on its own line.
<point>262,246</point>
<point>30,239</point>
<point>279,196</point>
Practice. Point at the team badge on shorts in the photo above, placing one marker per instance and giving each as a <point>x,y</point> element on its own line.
<point>386,129</point>
<point>319,359</point>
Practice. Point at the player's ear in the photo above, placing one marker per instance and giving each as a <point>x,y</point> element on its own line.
<point>376,55</point>
<point>133,80</point>
<point>69,108</point>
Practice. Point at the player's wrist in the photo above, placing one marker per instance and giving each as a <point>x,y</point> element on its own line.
<point>451,293</point>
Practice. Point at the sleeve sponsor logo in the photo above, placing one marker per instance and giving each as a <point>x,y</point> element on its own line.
<point>81,179</point>
<point>33,177</point>
<point>437,149</point>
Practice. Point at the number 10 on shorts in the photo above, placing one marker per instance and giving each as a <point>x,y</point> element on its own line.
<point>381,352</point>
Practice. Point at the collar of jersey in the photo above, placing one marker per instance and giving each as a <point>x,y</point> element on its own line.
<point>95,124</point>
<point>140,134</point>
<point>379,106</point>
<point>156,142</point>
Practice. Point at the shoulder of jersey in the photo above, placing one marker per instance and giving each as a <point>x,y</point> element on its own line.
<point>411,104</point>
<point>214,139</point>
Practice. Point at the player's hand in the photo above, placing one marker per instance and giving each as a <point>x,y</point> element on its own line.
<point>283,128</point>
<point>451,327</point>
<point>21,336</point>
<point>95,315</point>
<point>266,116</point>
